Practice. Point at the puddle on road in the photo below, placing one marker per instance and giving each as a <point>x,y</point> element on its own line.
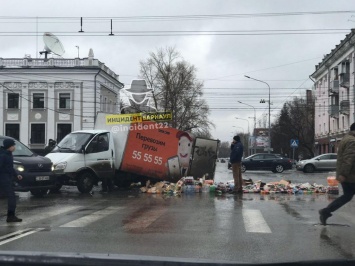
<point>339,225</point>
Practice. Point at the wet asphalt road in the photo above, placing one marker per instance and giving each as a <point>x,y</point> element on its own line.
<point>247,228</point>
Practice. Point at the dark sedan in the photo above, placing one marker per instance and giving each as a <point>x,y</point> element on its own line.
<point>266,161</point>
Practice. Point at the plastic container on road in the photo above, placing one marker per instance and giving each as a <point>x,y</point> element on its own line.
<point>332,181</point>
<point>212,188</point>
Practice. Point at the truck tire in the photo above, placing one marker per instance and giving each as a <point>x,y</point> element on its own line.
<point>39,192</point>
<point>85,182</point>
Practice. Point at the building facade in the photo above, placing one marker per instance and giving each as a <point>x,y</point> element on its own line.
<point>46,99</point>
<point>334,81</point>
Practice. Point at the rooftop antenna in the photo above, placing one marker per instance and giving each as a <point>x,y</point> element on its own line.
<point>52,45</point>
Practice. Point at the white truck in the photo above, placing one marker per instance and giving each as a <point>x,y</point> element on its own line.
<point>130,152</point>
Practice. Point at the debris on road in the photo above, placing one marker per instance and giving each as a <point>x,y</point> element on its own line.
<point>190,185</point>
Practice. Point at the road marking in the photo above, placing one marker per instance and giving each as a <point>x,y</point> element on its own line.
<point>254,222</point>
<point>144,220</point>
<point>45,214</point>
<point>18,234</point>
<point>88,219</point>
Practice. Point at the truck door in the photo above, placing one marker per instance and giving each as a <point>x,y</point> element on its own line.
<point>99,156</point>
<point>204,157</point>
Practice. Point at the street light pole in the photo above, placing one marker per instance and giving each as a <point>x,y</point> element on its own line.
<point>78,50</point>
<point>269,109</point>
<point>254,122</point>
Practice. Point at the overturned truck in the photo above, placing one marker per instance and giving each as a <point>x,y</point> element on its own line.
<point>127,148</point>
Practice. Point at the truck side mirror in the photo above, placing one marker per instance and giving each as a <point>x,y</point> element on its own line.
<point>83,149</point>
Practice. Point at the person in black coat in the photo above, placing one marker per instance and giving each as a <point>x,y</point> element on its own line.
<point>7,173</point>
<point>236,155</point>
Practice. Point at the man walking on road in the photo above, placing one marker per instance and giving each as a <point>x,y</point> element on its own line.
<point>345,174</point>
<point>235,159</point>
<point>7,173</point>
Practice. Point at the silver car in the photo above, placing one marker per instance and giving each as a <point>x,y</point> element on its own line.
<point>324,162</point>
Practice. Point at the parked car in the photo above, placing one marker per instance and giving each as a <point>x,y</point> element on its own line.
<point>324,162</point>
<point>37,171</point>
<point>266,161</point>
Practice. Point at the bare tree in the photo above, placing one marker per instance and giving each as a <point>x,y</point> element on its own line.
<point>296,121</point>
<point>176,89</point>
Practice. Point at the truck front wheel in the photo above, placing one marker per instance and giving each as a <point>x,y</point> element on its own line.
<point>85,182</point>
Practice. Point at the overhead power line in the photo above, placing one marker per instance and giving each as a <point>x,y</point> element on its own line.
<point>189,17</point>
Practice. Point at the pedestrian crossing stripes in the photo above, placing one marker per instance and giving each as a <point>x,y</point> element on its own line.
<point>18,234</point>
<point>145,220</point>
<point>254,222</point>
<point>88,219</point>
<point>45,214</point>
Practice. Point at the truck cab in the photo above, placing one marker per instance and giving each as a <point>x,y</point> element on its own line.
<point>36,170</point>
<point>83,158</point>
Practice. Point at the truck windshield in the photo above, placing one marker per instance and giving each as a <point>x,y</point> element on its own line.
<point>21,149</point>
<point>73,142</point>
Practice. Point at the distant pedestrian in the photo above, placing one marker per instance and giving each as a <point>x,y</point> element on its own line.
<point>236,155</point>
<point>345,174</point>
<point>7,173</point>
<point>50,146</point>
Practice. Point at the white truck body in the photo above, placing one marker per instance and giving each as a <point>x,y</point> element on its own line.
<point>151,150</point>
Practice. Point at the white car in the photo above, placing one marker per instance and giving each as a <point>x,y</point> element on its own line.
<point>324,162</point>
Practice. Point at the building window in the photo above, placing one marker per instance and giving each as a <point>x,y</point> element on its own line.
<point>62,131</point>
<point>13,100</point>
<point>110,107</point>
<point>38,100</point>
<point>64,100</point>
<point>38,133</point>
<point>12,130</point>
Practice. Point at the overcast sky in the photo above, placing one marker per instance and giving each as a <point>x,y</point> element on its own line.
<point>284,61</point>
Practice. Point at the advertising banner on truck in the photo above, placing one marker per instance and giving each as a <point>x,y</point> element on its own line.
<point>158,151</point>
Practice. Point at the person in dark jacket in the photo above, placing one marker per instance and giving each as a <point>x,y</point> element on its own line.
<point>345,174</point>
<point>236,155</point>
<point>7,173</point>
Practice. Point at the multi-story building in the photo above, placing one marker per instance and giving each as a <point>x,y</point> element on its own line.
<point>334,95</point>
<point>46,99</point>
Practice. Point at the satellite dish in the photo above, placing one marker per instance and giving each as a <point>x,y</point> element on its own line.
<point>52,45</point>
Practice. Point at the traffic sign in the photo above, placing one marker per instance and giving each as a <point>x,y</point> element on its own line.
<point>294,143</point>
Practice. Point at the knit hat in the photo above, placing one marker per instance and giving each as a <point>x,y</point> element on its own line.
<point>236,138</point>
<point>8,143</point>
